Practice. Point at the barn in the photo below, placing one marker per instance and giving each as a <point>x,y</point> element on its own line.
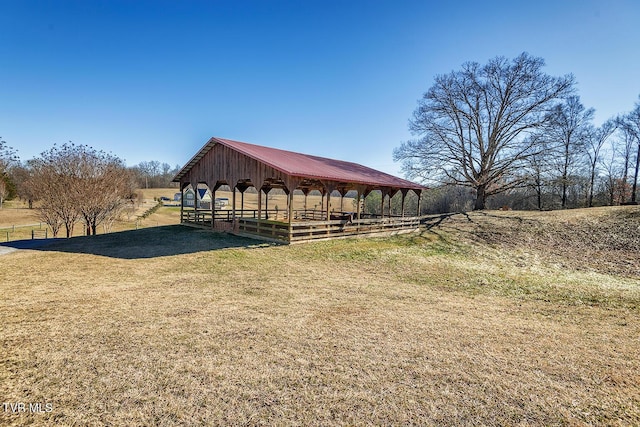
<point>242,168</point>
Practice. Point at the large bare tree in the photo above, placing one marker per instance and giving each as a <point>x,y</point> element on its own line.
<point>472,125</point>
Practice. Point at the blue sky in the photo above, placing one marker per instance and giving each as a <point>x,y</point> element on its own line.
<point>153,80</point>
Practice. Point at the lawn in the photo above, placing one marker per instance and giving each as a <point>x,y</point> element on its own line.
<point>494,318</point>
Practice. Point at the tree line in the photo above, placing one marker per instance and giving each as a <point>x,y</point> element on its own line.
<point>73,184</point>
<point>512,135</point>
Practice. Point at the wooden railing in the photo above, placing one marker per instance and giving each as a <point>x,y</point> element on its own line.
<point>310,230</point>
<point>305,227</point>
<point>203,217</point>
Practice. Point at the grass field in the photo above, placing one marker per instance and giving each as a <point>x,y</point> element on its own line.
<point>17,221</point>
<point>495,318</point>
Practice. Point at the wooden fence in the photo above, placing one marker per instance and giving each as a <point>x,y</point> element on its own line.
<point>312,230</point>
<point>307,224</point>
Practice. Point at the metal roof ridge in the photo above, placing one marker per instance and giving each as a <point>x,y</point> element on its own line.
<point>266,155</point>
<point>226,142</point>
<point>308,156</point>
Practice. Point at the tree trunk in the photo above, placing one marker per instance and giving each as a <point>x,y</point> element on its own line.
<point>539,191</point>
<point>481,197</point>
<point>565,173</point>
<point>635,177</point>
<point>593,181</point>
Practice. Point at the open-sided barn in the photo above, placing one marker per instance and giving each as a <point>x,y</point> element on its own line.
<point>240,166</point>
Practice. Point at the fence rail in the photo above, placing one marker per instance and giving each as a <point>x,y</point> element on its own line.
<point>311,230</point>
<point>20,232</point>
<point>204,216</point>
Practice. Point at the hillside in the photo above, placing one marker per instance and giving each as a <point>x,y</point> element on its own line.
<point>605,240</point>
<point>493,318</point>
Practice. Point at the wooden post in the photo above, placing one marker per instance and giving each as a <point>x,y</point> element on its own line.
<point>181,205</point>
<point>382,204</point>
<point>404,194</point>
<point>259,203</point>
<point>233,212</point>
<point>213,207</point>
<point>328,218</point>
<point>419,198</point>
<point>290,214</point>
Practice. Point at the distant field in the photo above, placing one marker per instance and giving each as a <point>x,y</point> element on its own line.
<point>17,220</point>
<point>493,318</point>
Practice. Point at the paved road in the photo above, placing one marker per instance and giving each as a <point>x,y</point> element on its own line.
<point>9,247</point>
<point>5,250</point>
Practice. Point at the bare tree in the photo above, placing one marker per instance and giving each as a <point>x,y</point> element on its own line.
<point>567,132</point>
<point>625,151</point>
<point>630,123</point>
<point>52,218</point>
<point>4,189</point>
<point>611,163</point>
<point>8,158</point>
<point>22,175</point>
<point>537,173</point>
<point>473,124</point>
<point>595,142</point>
<point>77,181</point>
<point>54,179</point>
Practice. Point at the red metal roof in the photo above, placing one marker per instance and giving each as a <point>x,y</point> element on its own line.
<point>307,166</point>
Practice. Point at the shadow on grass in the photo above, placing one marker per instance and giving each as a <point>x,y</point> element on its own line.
<point>144,243</point>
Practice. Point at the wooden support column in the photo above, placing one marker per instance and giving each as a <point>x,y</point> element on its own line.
<point>259,203</point>
<point>266,204</point>
<point>242,204</point>
<point>233,212</point>
<point>404,196</point>
<point>328,187</point>
<point>290,200</point>
<point>382,204</point>
<point>213,206</point>
<point>181,202</point>
<point>419,198</point>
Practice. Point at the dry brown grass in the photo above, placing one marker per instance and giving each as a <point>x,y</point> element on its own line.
<point>178,326</point>
<point>600,239</point>
<point>17,213</point>
<point>17,220</point>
